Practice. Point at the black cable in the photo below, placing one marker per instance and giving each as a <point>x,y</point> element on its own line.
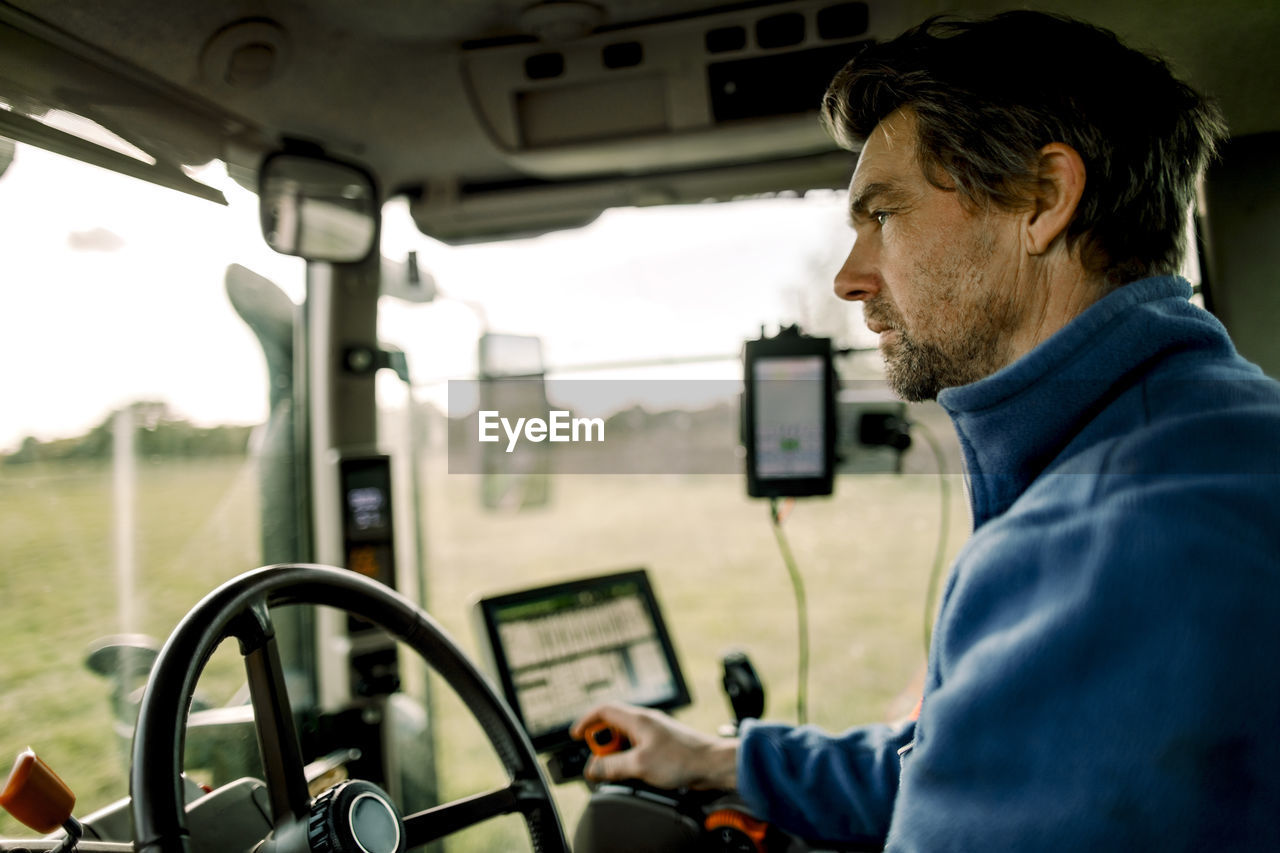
<point>944,525</point>
<point>802,615</point>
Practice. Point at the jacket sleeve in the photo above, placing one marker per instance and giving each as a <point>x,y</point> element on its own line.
<point>820,786</point>
<point>1103,676</point>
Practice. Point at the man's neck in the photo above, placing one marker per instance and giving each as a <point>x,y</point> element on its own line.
<point>1054,297</point>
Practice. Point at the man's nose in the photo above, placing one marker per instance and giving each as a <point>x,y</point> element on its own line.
<point>857,280</point>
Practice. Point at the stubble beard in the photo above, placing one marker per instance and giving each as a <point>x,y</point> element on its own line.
<point>915,371</point>
<point>967,340</point>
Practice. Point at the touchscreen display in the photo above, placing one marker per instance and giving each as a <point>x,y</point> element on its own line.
<point>790,417</point>
<point>558,650</point>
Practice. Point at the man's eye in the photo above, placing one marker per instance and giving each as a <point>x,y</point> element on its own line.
<point>881,217</point>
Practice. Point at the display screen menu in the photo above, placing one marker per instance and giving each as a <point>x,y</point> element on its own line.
<point>790,437</point>
<point>559,650</point>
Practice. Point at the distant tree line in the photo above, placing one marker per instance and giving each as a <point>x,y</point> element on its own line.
<point>158,433</point>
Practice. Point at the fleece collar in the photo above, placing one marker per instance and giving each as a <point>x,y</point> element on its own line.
<point>1014,423</point>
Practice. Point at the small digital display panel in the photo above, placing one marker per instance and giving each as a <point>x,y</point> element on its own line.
<point>790,411</point>
<point>367,531</point>
<point>558,650</point>
<point>789,415</point>
<point>368,511</point>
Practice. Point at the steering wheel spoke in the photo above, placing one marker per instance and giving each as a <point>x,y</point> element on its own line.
<point>437,822</point>
<point>272,715</point>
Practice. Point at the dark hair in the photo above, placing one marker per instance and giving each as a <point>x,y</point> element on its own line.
<point>989,94</point>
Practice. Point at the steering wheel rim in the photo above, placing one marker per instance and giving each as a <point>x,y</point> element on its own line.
<point>240,609</point>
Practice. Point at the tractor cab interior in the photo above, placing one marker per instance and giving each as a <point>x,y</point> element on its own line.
<point>353,292</point>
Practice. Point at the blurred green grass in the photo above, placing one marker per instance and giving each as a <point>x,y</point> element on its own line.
<point>864,555</point>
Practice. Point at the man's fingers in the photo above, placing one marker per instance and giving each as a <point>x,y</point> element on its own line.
<point>613,768</point>
<point>579,727</point>
<point>593,716</point>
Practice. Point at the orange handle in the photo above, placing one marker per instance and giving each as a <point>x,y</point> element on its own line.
<point>730,821</point>
<point>603,739</point>
<point>35,796</point>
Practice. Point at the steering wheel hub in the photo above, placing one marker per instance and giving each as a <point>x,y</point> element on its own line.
<point>355,817</point>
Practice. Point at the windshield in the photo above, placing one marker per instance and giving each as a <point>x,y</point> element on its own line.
<point>138,398</point>
<point>639,315</point>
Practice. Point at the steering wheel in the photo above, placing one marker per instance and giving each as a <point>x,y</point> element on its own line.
<point>240,609</point>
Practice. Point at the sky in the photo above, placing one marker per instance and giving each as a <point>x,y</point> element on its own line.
<point>105,282</point>
<point>112,292</point>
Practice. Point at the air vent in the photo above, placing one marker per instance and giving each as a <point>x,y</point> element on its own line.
<point>627,54</point>
<point>780,30</point>
<point>544,66</point>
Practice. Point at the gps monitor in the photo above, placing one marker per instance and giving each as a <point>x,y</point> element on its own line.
<point>558,650</point>
<point>788,416</point>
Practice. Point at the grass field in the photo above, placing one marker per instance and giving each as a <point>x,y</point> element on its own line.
<point>864,554</point>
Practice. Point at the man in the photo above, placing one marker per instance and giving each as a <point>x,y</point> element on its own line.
<point>1102,674</point>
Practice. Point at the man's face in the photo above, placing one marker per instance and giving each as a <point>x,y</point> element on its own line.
<point>937,280</point>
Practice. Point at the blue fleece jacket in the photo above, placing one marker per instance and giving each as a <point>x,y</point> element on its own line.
<point>1103,673</point>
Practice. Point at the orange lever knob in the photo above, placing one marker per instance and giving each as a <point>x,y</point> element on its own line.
<point>35,796</point>
<point>604,739</point>
<point>726,823</point>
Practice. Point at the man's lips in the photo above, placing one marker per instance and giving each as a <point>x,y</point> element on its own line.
<point>880,328</point>
<point>886,333</point>
<point>877,324</point>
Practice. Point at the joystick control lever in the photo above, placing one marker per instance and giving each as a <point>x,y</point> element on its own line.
<point>39,800</point>
<point>743,687</point>
<point>604,739</point>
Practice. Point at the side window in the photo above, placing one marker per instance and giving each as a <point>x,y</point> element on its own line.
<point>134,394</point>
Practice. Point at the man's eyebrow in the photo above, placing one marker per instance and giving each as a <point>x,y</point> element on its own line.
<point>860,205</point>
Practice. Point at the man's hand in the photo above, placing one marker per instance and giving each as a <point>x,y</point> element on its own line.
<point>663,753</point>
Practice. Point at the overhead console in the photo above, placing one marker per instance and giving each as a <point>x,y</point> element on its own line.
<point>699,91</point>
<point>626,114</point>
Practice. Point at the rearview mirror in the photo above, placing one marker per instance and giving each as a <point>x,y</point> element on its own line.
<point>317,208</point>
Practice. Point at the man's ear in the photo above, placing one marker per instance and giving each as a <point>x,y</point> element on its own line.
<point>1061,184</point>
